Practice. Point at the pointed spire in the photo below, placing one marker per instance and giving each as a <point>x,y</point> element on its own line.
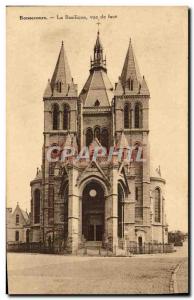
<point>118,88</point>
<point>48,90</point>
<point>61,79</point>
<point>144,88</point>
<point>72,90</point>
<point>98,59</point>
<point>130,76</point>
<point>98,45</point>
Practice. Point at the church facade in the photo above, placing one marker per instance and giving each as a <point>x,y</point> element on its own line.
<point>103,198</point>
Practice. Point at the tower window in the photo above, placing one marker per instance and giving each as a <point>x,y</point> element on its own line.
<point>97,133</point>
<point>17,219</point>
<point>37,206</point>
<point>104,138</point>
<point>130,84</point>
<point>59,86</point>
<point>138,116</point>
<point>89,136</point>
<point>157,205</point>
<point>55,117</point>
<point>126,115</point>
<point>66,119</point>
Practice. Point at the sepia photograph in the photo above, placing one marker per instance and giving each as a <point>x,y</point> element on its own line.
<point>97,150</point>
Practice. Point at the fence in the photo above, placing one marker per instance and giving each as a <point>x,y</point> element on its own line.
<point>124,248</point>
<point>33,248</point>
<point>149,248</point>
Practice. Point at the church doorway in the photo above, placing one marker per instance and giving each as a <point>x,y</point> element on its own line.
<point>93,206</point>
<point>140,244</point>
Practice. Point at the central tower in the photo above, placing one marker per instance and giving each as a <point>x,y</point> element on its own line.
<point>96,102</point>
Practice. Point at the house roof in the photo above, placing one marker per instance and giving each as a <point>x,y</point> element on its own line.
<point>23,213</point>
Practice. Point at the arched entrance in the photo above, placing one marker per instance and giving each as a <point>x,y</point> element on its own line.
<point>93,206</point>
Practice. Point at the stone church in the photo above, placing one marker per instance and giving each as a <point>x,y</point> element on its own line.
<point>101,201</point>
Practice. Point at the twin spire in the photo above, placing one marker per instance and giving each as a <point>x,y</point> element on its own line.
<point>62,71</point>
<point>130,81</point>
<point>61,83</point>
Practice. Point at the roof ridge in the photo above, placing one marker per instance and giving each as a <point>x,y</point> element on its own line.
<point>105,89</point>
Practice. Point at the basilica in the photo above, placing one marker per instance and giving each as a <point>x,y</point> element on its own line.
<point>100,201</point>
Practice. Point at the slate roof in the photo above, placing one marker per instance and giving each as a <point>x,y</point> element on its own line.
<point>97,87</point>
<point>61,75</point>
<point>131,71</point>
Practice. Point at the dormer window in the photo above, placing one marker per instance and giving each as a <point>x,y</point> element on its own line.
<point>97,103</point>
<point>130,84</point>
<point>59,86</point>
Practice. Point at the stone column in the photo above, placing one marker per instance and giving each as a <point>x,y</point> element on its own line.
<point>60,119</point>
<point>119,115</point>
<point>112,212</point>
<point>129,214</point>
<point>73,212</point>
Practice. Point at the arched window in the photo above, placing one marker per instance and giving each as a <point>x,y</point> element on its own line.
<point>58,86</point>
<point>138,115</point>
<point>104,138</point>
<point>17,219</point>
<point>157,203</point>
<point>66,117</point>
<point>97,133</point>
<point>55,117</point>
<point>89,136</point>
<point>126,115</point>
<point>120,212</point>
<point>37,206</point>
<point>17,236</point>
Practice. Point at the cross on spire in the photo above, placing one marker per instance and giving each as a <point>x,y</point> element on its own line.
<point>98,23</point>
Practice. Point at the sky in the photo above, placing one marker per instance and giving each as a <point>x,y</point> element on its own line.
<point>159,39</point>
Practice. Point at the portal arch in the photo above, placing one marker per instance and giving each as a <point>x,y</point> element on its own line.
<point>93,210</point>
